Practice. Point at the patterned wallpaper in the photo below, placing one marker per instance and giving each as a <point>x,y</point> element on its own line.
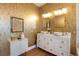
<point>25,11</point>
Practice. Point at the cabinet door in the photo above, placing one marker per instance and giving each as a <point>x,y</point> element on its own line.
<point>50,46</point>
<point>62,47</point>
<point>43,41</point>
<point>46,42</point>
<point>23,45</point>
<point>40,39</point>
<point>57,45</point>
<point>65,46</point>
<point>15,48</point>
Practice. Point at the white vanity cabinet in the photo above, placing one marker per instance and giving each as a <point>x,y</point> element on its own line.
<point>17,47</point>
<point>58,45</point>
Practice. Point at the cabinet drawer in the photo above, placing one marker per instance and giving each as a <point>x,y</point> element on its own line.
<point>65,45</point>
<point>59,51</point>
<point>63,53</point>
<point>51,47</point>
<point>15,48</point>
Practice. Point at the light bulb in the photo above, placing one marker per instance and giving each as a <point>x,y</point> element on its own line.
<point>60,12</point>
<point>46,15</point>
<point>56,13</point>
<point>64,10</point>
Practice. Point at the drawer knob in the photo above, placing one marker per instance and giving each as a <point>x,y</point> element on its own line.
<point>47,43</point>
<point>38,41</point>
<point>50,39</point>
<point>62,53</point>
<point>44,38</point>
<point>60,46</point>
<point>50,49</point>
<point>62,41</point>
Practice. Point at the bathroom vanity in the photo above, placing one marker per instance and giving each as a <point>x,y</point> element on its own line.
<point>18,47</point>
<point>55,43</point>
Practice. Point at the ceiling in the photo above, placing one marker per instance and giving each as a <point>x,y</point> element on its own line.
<point>39,4</point>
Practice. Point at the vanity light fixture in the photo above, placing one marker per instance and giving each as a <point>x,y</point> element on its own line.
<point>47,15</point>
<point>60,11</point>
<point>55,13</point>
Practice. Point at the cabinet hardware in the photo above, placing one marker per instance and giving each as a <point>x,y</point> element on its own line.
<point>47,43</point>
<point>62,41</point>
<point>50,39</point>
<point>50,49</point>
<point>62,53</point>
<point>60,46</point>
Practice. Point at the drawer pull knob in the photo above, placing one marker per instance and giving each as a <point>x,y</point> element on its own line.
<point>39,41</point>
<point>50,39</point>
<point>60,46</point>
<point>62,53</point>
<point>44,38</point>
<point>62,41</point>
<point>50,49</point>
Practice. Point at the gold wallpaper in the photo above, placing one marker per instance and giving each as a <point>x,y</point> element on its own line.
<point>25,11</point>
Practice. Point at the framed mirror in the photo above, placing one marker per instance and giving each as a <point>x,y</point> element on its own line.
<point>17,24</point>
<point>59,21</point>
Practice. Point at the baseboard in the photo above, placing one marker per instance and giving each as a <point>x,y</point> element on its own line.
<point>31,47</point>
